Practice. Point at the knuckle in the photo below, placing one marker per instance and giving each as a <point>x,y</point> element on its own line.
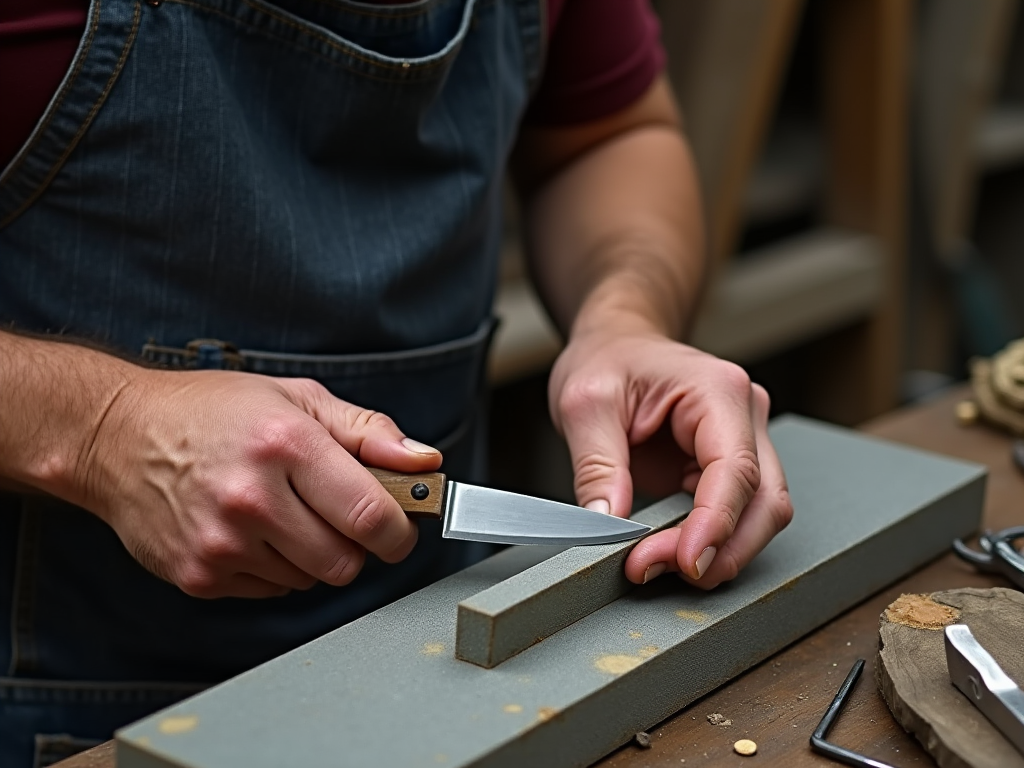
<point>585,396</point>
<point>369,516</point>
<point>781,510</point>
<point>749,470</point>
<point>342,568</point>
<point>243,499</point>
<point>733,377</point>
<point>215,545</point>
<point>278,438</point>
<point>197,580</point>
<point>593,469</point>
<point>366,420</point>
<point>761,398</point>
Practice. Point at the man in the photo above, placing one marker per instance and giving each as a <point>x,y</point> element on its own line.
<point>250,197</point>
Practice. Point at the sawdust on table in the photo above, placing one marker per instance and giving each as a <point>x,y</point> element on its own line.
<point>920,612</point>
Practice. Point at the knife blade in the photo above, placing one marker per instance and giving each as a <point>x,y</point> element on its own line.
<point>980,678</point>
<point>475,513</point>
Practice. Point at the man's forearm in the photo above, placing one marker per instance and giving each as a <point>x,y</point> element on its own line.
<point>53,399</point>
<point>616,235</point>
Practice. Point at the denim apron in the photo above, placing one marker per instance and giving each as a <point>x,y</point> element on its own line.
<point>304,188</point>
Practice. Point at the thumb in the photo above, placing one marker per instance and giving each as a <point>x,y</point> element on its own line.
<point>370,436</point>
<point>594,426</point>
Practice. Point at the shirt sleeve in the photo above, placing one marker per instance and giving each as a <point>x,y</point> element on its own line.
<point>602,56</point>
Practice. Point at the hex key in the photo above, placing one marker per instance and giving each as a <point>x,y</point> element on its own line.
<point>818,743</point>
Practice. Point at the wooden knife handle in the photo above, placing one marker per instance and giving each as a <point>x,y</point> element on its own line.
<point>418,495</point>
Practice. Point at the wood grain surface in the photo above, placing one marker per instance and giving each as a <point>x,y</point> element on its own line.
<point>914,678</point>
<point>778,703</point>
<point>408,491</point>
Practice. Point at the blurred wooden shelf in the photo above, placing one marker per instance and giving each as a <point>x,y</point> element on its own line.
<point>778,297</point>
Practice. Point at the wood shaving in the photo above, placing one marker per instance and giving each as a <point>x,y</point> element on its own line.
<point>921,612</point>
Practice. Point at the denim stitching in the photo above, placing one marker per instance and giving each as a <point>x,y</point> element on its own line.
<point>85,123</point>
<point>59,100</point>
<point>340,47</point>
<point>294,44</point>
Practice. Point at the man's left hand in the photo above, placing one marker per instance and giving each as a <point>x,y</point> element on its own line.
<point>639,405</point>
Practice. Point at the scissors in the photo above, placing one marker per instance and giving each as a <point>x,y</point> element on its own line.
<point>998,556</point>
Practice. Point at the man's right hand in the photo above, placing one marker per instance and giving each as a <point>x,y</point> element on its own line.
<point>234,484</point>
<point>223,483</point>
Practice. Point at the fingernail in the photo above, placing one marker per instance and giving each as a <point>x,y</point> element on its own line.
<point>705,560</point>
<point>599,505</point>
<point>654,571</point>
<point>417,447</point>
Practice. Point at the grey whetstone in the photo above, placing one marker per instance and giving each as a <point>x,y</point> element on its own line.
<point>914,680</point>
<point>387,690</point>
<point>499,622</point>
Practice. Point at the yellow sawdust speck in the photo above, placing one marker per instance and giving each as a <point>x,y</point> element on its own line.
<point>636,635</point>
<point>439,758</point>
<point>546,713</point>
<point>513,709</point>
<point>647,651</point>
<point>143,741</point>
<point>432,649</point>
<point>697,616</point>
<point>180,724</point>
<point>617,663</point>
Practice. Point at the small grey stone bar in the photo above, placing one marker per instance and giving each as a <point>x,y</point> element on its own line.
<point>387,690</point>
<point>499,622</point>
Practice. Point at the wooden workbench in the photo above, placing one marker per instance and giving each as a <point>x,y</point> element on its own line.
<point>779,703</point>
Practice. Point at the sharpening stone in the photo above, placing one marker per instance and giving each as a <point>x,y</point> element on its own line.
<point>499,622</point>
<point>387,690</point>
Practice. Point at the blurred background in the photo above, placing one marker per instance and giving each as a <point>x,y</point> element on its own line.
<point>862,165</point>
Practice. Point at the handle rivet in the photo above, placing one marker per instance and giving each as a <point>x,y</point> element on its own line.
<point>420,491</point>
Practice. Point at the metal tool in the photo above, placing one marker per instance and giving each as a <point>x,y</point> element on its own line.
<point>474,513</point>
<point>827,748</point>
<point>999,555</point>
<point>980,678</point>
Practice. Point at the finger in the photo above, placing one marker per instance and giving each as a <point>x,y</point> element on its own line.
<point>247,585</point>
<point>653,556</point>
<point>371,436</point>
<point>350,499</point>
<point>312,546</point>
<point>769,513</point>
<point>593,420</point>
<point>725,446</point>
<point>272,566</point>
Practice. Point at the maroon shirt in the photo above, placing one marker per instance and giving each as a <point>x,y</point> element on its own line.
<point>602,56</point>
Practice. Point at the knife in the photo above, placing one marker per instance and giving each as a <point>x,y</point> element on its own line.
<point>980,678</point>
<point>475,513</point>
